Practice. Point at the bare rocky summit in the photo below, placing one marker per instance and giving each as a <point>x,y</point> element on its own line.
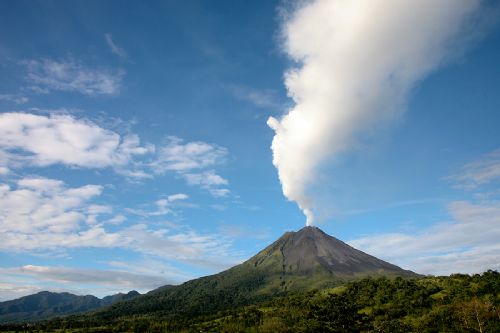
<point>307,250</point>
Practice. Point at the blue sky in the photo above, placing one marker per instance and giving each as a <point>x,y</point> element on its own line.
<point>135,149</point>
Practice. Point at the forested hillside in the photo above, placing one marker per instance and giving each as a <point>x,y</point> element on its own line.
<point>458,303</point>
<point>45,304</point>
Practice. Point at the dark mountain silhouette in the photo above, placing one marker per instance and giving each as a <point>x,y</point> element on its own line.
<point>298,261</point>
<point>45,304</point>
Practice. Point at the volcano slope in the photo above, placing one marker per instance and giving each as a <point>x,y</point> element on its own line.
<point>299,261</point>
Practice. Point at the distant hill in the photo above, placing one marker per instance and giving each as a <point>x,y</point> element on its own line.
<point>45,304</point>
<point>298,261</point>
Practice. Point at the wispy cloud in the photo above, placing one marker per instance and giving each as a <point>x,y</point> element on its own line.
<point>193,161</point>
<point>467,243</point>
<point>76,280</point>
<point>69,75</point>
<point>211,251</point>
<point>162,207</point>
<point>16,289</point>
<point>17,99</point>
<point>120,52</point>
<point>262,98</point>
<point>477,173</point>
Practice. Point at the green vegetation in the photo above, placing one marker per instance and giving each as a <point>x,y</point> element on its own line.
<point>458,303</point>
<point>45,305</point>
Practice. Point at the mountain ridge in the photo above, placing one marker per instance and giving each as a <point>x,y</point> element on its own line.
<point>47,304</point>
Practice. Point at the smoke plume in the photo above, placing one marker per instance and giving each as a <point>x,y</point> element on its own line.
<point>356,61</point>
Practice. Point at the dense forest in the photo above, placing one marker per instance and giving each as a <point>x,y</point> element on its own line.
<point>458,303</point>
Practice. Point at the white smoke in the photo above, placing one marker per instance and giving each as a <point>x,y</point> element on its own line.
<point>357,62</point>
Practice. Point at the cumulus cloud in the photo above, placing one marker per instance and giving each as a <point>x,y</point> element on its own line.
<point>468,243</point>
<point>178,156</point>
<point>210,181</point>
<point>356,63</point>
<point>40,215</point>
<point>44,140</point>
<point>68,75</point>
<point>115,48</point>
<point>40,204</point>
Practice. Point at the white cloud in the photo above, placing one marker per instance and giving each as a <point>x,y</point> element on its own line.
<point>163,206</point>
<point>357,61</point>
<point>183,157</point>
<point>152,267</point>
<point>219,192</point>
<point>481,172</point>
<point>14,290</point>
<point>43,205</point>
<point>94,211</point>
<point>44,215</point>
<point>191,161</point>
<point>62,139</point>
<point>211,251</point>
<point>94,276</point>
<point>68,75</point>
<point>467,244</point>
<point>178,196</point>
<point>45,140</point>
<point>210,181</point>
<point>207,179</point>
<point>115,48</point>
<point>117,219</point>
<point>4,170</point>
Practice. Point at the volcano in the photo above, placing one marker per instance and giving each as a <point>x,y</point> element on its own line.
<point>305,260</point>
<point>310,252</point>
